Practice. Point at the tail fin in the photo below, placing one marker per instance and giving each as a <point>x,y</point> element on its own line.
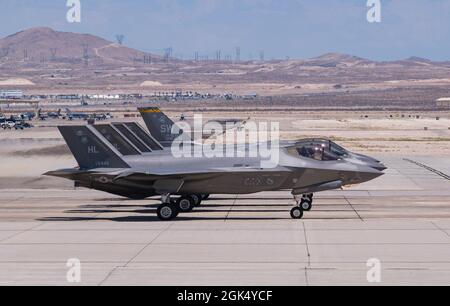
<point>159,125</point>
<point>89,150</point>
<point>137,129</point>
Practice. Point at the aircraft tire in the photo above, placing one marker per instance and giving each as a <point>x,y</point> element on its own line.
<point>306,205</point>
<point>186,203</point>
<point>296,213</point>
<point>167,212</point>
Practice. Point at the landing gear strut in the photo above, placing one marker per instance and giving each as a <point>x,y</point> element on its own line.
<point>305,202</point>
<point>198,198</point>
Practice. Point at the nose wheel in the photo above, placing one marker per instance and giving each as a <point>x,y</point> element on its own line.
<point>303,203</point>
<point>296,213</point>
<point>306,205</point>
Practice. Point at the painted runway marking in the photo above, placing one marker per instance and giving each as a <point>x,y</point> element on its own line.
<point>442,174</point>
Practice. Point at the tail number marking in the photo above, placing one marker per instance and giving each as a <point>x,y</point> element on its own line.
<point>93,150</point>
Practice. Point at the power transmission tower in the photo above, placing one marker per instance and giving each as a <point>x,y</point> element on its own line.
<point>25,54</point>
<point>85,54</point>
<point>120,38</point>
<point>53,53</point>
<point>238,54</point>
<point>218,56</point>
<point>196,56</point>
<point>261,55</point>
<point>147,58</point>
<point>168,54</point>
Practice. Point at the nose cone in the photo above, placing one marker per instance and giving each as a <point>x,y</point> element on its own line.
<point>366,176</point>
<point>370,161</point>
<point>380,167</point>
<point>360,175</point>
<point>377,165</point>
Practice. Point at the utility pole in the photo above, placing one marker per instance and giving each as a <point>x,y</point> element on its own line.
<point>147,58</point>
<point>218,56</point>
<point>238,54</point>
<point>168,54</point>
<point>85,54</point>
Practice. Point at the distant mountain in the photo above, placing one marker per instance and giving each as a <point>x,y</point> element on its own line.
<point>44,44</point>
<point>44,58</point>
<point>418,59</point>
<point>337,60</point>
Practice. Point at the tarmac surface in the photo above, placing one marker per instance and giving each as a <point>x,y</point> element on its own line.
<point>401,219</point>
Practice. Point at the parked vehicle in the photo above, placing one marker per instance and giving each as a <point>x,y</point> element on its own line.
<point>8,125</point>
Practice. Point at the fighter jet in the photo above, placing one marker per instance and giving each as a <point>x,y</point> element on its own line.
<point>53,115</point>
<point>103,166</point>
<point>160,126</point>
<point>76,115</point>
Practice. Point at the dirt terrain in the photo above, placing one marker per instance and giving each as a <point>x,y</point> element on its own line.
<point>44,61</point>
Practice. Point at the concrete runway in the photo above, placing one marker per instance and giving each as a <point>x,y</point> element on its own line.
<point>402,219</point>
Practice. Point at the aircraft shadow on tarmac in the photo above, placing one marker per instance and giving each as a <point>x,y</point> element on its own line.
<point>149,212</point>
<point>209,200</point>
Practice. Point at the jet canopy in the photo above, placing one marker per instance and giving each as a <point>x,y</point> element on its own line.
<point>318,149</point>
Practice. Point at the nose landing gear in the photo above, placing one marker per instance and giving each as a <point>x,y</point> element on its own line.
<point>303,203</point>
<point>296,213</point>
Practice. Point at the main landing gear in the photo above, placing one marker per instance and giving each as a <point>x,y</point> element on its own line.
<point>302,204</point>
<point>169,209</point>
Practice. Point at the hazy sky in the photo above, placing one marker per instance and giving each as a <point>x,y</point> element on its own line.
<point>294,28</point>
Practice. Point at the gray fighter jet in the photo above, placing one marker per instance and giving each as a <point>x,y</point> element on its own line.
<point>160,126</point>
<point>104,166</point>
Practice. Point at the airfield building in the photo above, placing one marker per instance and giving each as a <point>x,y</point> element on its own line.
<point>11,94</point>
<point>443,103</point>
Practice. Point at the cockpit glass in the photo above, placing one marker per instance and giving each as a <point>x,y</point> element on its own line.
<point>314,152</point>
<point>337,149</point>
